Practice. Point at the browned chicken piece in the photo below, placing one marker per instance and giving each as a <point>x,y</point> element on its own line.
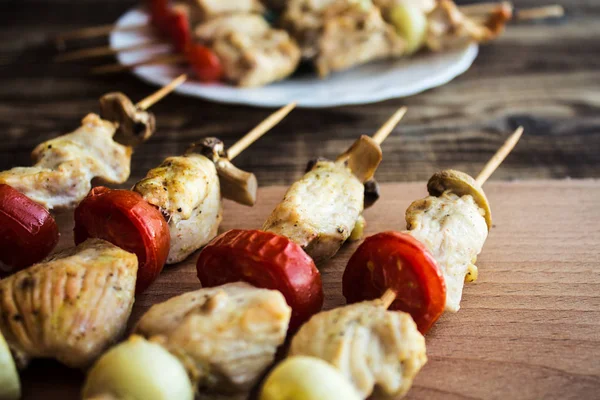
<point>225,336</point>
<point>251,51</point>
<point>202,10</point>
<point>65,166</point>
<point>379,351</point>
<point>70,307</point>
<point>340,34</point>
<point>449,28</point>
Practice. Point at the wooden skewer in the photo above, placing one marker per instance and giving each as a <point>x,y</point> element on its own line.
<point>388,298</point>
<point>103,51</point>
<point>259,130</point>
<point>146,103</point>
<point>390,295</point>
<point>500,155</point>
<point>163,59</point>
<point>96,31</point>
<point>389,126</point>
<point>551,11</point>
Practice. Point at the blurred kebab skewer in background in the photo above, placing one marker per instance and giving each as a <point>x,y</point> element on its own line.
<point>63,171</point>
<point>232,41</point>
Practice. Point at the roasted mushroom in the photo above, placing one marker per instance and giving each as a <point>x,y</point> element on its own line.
<point>237,185</point>
<point>138,370</point>
<point>363,158</point>
<point>460,184</point>
<point>135,125</point>
<point>10,385</point>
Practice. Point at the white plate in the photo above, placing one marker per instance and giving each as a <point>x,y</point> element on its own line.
<point>365,84</point>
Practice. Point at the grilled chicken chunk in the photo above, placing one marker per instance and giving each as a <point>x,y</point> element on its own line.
<point>379,351</point>
<point>340,34</point>
<point>251,51</point>
<point>70,307</point>
<point>65,166</point>
<point>454,230</point>
<point>449,28</point>
<point>225,336</point>
<point>186,189</point>
<point>319,211</point>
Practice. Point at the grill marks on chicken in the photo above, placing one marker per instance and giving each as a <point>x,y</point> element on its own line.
<point>340,34</point>
<point>454,230</point>
<point>379,351</point>
<point>251,51</point>
<point>186,189</point>
<point>225,336</point>
<point>319,211</point>
<point>70,307</point>
<point>65,166</point>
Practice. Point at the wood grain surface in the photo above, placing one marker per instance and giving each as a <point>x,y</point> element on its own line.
<point>543,75</point>
<point>529,328</point>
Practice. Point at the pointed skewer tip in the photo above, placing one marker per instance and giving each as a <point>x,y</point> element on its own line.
<point>389,125</point>
<point>146,103</point>
<point>499,157</point>
<point>259,130</point>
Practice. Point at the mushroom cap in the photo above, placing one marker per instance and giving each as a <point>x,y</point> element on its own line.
<point>460,184</point>
<point>138,369</point>
<point>10,385</point>
<point>135,125</point>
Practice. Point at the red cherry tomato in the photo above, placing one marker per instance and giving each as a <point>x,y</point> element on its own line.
<point>178,30</point>
<point>397,261</point>
<point>125,219</point>
<point>28,232</point>
<point>205,63</point>
<point>264,260</point>
<point>159,14</point>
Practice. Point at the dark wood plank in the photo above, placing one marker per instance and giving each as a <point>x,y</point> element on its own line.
<point>529,328</point>
<point>543,75</point>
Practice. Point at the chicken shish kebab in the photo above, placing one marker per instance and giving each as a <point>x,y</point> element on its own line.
<point>382,29</point>
<point>317,215</point>
<point>223,337</point>
<point>426,267</point>
<point>71,307</point>
<point>63,172</point>
<point>176,209</point>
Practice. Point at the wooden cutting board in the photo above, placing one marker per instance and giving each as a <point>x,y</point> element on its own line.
<point>529,328</point>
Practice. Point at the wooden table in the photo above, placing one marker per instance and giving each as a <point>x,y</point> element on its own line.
<point>544,76</point>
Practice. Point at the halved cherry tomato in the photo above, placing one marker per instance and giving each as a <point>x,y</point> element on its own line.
<point>264,260</point>
<point>397,261</point>
<point>205,63</point>
<point>125,219</point>
<point>28,232</point>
